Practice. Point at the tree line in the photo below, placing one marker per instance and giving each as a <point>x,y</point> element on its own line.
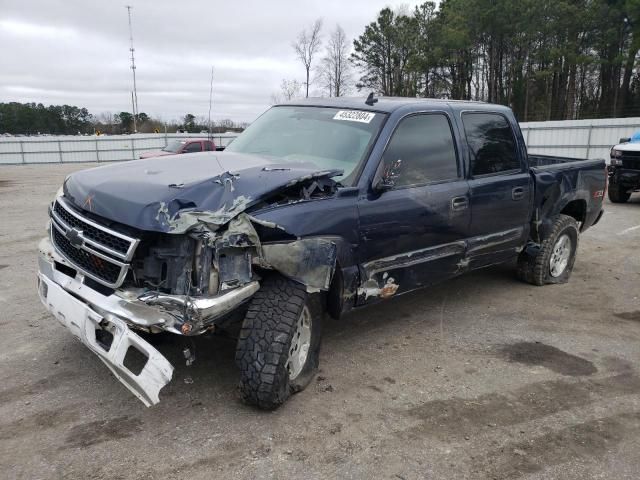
<point>546,59</point>
<point>32,119</point>
<point>27,118</point>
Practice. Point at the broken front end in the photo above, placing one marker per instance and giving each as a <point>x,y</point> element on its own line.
<point>104,281</point>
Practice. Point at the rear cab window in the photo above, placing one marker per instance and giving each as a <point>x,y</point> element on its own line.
<point>492,143</point>
<point>421,151</point>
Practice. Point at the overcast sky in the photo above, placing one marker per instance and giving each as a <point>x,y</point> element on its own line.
<point>77,52</point>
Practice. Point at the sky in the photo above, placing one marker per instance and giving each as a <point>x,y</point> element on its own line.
<point>77,52</point>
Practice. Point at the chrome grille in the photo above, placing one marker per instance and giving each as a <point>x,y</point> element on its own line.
<point>102,237</point>
<point>97,251</point>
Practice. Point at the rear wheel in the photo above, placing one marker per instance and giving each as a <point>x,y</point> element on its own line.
<point>279,344</point>
<point>552,261</point>
<point>617,194</point>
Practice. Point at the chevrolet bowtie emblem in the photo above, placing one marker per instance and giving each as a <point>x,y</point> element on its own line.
<point>75,237</point>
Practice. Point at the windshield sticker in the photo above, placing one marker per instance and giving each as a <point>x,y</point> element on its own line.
<point>354,116</point>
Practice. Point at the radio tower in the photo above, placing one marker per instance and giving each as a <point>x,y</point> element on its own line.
<point>134,94</point>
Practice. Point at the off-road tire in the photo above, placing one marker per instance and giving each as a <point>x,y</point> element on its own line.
<point>266,337</point>
<point>533,264</point>
<point>617,194</point>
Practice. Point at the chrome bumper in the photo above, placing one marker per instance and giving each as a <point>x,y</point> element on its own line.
<point>143,309</point>
<point>85,311</point>
<point>83,323</point>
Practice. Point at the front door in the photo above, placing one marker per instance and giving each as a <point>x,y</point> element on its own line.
<point>413,234</point>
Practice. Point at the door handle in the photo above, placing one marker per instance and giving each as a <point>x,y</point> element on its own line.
<point>459,203</point>
<point>517,193</point>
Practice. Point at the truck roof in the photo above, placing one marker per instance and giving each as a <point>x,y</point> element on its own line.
<point>390,104</point>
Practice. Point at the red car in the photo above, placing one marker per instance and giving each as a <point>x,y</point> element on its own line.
<point>177,147</point>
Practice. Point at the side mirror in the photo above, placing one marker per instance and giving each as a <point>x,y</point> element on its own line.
<point>625,140</point>
<point>386,178</point>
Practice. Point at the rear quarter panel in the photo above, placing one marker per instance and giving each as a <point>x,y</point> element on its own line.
<point>558,185</point>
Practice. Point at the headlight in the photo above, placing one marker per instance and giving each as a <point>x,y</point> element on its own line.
<point>616,157</point>
<point>59,193</point>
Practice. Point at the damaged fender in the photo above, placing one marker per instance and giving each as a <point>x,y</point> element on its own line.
<point>310,261</point>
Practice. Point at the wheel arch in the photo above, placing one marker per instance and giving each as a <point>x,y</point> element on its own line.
<point>341,295</point>
<point>577,209</point>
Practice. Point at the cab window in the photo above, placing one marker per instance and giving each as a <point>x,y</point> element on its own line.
<point>421,151</point>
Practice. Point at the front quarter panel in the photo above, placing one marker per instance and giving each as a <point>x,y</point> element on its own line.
<point>333,220</point>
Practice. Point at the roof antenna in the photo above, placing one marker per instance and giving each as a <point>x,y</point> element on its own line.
<point>370,100</point>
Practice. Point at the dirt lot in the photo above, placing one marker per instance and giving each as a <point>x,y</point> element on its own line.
<point>481,377</point>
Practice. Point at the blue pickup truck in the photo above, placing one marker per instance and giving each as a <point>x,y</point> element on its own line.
<point>320,207</point>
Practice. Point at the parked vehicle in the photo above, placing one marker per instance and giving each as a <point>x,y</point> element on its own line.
<point>624,169</point>
<point>176,147</point>
<point>285,226</point>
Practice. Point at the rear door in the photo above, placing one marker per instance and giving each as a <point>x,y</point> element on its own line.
<point>413,234</point>
<point>500,188</point>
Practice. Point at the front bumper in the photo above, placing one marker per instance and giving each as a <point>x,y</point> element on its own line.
<point>85,311</point>
<point>84,323</point>
<point>141,309</point>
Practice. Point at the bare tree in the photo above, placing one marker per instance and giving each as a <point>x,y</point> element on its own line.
<point>334,69</point>
<point>306,47</point>
<point>289,89</point>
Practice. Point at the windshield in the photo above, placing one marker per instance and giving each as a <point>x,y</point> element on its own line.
<point>174,147</point>
<point>328,137</point>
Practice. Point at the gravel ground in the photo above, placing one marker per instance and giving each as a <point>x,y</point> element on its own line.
<point>480,377</point>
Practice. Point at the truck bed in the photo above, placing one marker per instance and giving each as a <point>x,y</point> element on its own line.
<point>539,163</point>
<point>564,182</point>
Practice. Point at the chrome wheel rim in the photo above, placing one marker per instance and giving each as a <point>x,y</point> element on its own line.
<point>300,344</point>
<point>560,256</point>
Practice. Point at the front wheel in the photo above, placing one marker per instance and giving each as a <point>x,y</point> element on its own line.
<point>552,261</point>
<point>279,345</point>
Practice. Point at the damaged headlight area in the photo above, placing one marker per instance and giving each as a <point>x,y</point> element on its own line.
<point>189,265</point>
<point>196,277</point>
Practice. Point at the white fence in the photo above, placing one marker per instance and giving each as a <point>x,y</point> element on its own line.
<point>578,138</point>
<point>70,149</point>
<point>571,138</point>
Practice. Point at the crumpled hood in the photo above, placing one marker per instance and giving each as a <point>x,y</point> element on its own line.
<point>167,194</point>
